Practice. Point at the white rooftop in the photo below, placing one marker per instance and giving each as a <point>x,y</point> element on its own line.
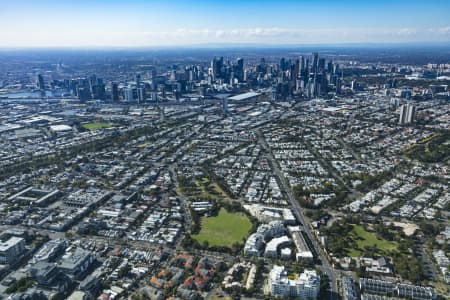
<point>9,243</point>
<point>60,128</point>
<point>244,96</point>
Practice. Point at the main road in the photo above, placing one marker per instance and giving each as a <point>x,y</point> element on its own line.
<point>326,267</point>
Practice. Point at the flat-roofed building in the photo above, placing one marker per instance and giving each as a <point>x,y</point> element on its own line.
<point>11,250</point>
<point>304,286</point>
<point>245,97</point>
<point>76,263</point>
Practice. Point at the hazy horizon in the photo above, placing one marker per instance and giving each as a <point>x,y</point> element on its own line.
<point>231,46</point>
<point>140,24</point>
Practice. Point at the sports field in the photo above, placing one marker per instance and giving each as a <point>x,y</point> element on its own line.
<point>224,230</point>
<point>96,126</point>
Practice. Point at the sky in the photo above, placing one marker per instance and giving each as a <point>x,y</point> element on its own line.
<point>148,23</point>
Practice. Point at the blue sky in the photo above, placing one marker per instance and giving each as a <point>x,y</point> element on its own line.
<point>137,23</point>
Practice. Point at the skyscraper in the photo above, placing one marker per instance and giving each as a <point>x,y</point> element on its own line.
<point>283,64</point>
<point>302,65</point>
<point>225,105</point>
<point>402,117</point>
<point>129,95</point>
<point>239,72</point>
<point>410,114</point>
<point>141,94</point>
<point>41,82</point>
<point>315,63</point>
<point>274,92</point>
<point>321,65</point>
<point>217,66</point>
<point>138,80</point>
<point>114,92</point>
<point>407,114</point>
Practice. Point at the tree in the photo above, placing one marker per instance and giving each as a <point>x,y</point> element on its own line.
<point>137,296</point>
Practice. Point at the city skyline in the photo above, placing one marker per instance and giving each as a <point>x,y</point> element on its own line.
<point>204,150</point>
<point>179,23</point>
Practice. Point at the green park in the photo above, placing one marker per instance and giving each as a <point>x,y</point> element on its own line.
<point>223,230</point>
<point>97,125</point>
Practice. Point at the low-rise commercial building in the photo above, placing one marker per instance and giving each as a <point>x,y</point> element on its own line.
<point>11,250</point>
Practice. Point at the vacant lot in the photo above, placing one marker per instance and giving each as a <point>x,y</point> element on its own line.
<point>224,230</point>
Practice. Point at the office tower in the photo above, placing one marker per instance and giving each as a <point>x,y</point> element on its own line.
<point>284,90</point>
<point>152,72</point>
<point>410,114</point>
<point>321,65</point>
<point>98,91</point>
<point>92,81</point>
<point>302,66</point>
<point>154,96</point>
<point>407,114</point>
<point>283,64</point>
<point>261,68</point>
<point>311,89</point>
<point>296,72</point>
<point>162,115</point>
<point>225,105</point>
<point>307,68</point>
<point>114,92</point>
<point>315,62</point>
<point>212,69</point>
<point>190,73</point>
<point>227,70</point>
<point>173,75</point>
<point>274,92</point>
<point>41,82</point>
<point>141,94</point>
<point>217,68</point>
<point>84,94</point>
<point>330,67</point>
<point>402,117</point>
<point>353,86</point>
<point>138,80</point>
<point>338,85</point>
<point>240,69</point>
<point>129,95</point>
<point>298,85</point>
<point>336,69</point>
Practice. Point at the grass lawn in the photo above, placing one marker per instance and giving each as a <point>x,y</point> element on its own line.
<point>143,145</point>
<point>200,190</point>
<point>97,125</point>
<point>224,230</point>
<point>364,238</point>
<point>220,297</point>
<point>217,192</point>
